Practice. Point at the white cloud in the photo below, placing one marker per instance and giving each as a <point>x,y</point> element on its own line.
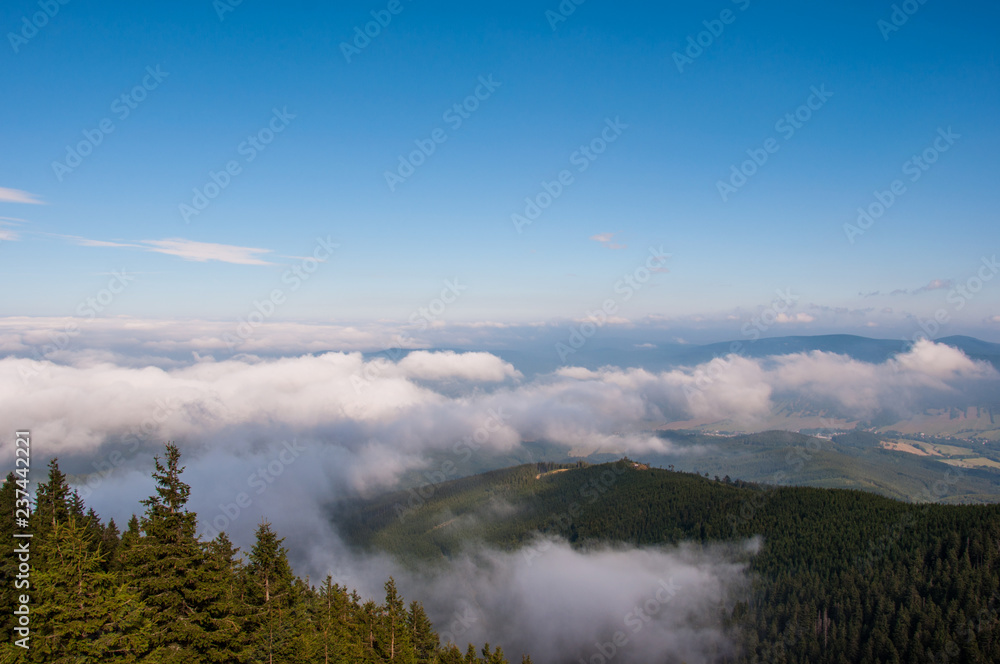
<point>87,242</point>
<point>190,250</point>
<point>386,416</point>
<point>794,318</point>
<point>936,284</point>
<point>560,604</point>
<point>606,240</point>
<point>207,251</point>
<point>480,367</point>
<point>18,196</point>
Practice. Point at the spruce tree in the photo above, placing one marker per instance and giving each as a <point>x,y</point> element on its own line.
<point>422,635</point>
<point>8,562</point>
<point>228,613</point>
<point>335,625</point>
<point>271,593</point>
<point>53,502</point>
<point>396,641</point>
<point>84,613</point>
<point>168,566</point>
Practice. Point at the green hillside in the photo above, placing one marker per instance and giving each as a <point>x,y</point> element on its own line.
<point>842,576</point>
<point>952,471</point>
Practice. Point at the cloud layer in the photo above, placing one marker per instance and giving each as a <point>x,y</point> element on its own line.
<point>560,604</point>
<point>427,401</point>
<point>284,438</point>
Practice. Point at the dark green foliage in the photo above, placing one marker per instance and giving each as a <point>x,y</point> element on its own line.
<point>82,609</point>
<point>842,576</point>
<point>167,565</point>
<point>156,594</point>
<point>8,563</point>
<point>272,594</point>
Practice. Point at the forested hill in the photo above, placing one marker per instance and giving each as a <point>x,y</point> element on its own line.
<point>158,594</point>
<point>842,575</point>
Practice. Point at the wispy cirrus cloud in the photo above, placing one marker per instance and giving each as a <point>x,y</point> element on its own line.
<point>189,250</point>
<point>207,251</point>
<point>87,242</point>
<point>18,196</point>
<point>8,234</point>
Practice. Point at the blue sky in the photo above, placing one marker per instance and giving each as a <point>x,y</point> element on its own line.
<point>221,81</point>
